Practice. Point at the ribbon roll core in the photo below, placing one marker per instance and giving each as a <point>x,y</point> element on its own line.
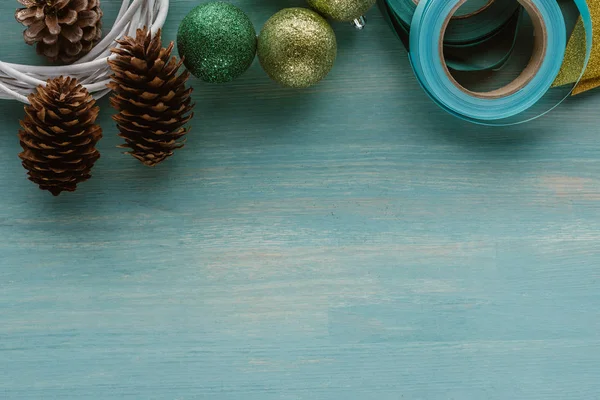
<point>540,45</point>
<point>469,14</point>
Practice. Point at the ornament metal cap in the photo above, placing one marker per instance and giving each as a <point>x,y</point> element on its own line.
<point>359,23</point>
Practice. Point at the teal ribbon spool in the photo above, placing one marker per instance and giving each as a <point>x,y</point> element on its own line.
<point>526,98</point>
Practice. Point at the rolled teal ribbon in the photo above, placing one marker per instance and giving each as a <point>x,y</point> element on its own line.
<point>494,108</point>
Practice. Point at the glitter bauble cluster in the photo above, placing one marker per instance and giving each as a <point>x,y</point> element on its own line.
<point>217,41</point>
<point>297,47</point>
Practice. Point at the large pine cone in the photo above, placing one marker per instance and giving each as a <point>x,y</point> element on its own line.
<point>59,135</point>
<point>64,30</point>
<point>152,100</point>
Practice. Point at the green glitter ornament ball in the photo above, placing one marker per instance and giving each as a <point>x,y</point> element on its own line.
<point>342,10</point>
<point>297,47</point>
<point>218,42</point>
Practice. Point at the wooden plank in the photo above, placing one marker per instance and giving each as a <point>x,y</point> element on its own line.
<point>350,241</point>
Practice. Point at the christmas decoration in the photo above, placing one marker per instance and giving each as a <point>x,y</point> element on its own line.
<point>297,47</point>
<point>217,42</point>
<point>152,100</point>
<point>62,30</point>
<point>543,83</point>
<point>59,135</point>
<point>343,10</point>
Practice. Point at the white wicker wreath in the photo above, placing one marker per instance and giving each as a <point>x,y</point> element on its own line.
<point>92,70</point>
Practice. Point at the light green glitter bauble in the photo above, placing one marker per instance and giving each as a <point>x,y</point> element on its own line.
<point>218,42</point>
<point>342,10</point>
<point>297,47</point>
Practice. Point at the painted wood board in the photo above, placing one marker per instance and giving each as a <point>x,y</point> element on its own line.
<point>350,241</point>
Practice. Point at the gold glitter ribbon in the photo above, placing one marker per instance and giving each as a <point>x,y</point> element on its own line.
<point>575,55</point>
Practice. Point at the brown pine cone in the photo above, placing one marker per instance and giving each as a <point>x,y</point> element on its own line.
<point>152,100</point>
<point>59,135</point>
<point>64,30</point>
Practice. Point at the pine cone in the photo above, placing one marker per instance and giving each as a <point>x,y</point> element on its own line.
<point>64,30</point>
<point>151,98</point>
<point>59,135</point>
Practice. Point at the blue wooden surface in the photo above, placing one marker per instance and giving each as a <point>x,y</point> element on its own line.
<point>350,241</point>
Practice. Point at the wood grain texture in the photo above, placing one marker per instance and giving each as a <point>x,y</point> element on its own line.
<point>347,242</point>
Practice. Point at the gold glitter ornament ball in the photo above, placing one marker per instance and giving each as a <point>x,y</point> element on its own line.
<point>297,47</point>
<point>342,10</point>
